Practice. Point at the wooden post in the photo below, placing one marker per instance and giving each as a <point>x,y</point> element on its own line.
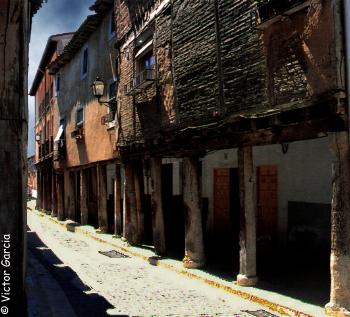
<point>339,304</point>
<point>43,183</point>
<point>194,246</point>
<point>247,238</point>
<point>71,193</point>
<point>38,192</point>
<point>83,197</point>
<point>14,35</point>
<point>60,202</point>
<point>102,198</point>
<point>156,206</point>
<point>118,218</point>
<point>138,175</point>
<point>54,195</point>
<point>129,205</point>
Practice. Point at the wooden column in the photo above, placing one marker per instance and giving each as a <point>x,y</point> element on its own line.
<point>340,226</point>
<point>43,190</point>
<point>194,246</point>
<point>83,197</point>
<point>129,205</point>
<point>60,202</point>
<point>118,217</point>
<point>102,198</point>
<point>156,206</point>
<point>54,195</point>
<point>247,238</point>
<point>38,190</point>
<point>139,187</point>
<point>71,195</point>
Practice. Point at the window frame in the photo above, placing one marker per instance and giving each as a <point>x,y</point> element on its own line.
<point>83,74</point>
<point>111,25</point>
<point>57,84</point>
<point>79,108</point>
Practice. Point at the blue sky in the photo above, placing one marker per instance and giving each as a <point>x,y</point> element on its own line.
<point>56,16</point>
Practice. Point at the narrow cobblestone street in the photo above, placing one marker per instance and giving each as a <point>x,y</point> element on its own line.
<point>96,285</point>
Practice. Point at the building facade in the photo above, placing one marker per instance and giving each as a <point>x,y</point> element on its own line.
<point>85,144</point>
<point>45,88</point>
<point>236,116</point>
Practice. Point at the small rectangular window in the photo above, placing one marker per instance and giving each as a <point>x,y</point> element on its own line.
<point>111,29</point>
<point>58,79</point>
<point>79,116</point>
<point>112,90</point>
<point>84,62</point>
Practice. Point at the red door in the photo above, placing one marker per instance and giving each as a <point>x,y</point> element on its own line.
<point>267,201</point>
<point>221,202</point>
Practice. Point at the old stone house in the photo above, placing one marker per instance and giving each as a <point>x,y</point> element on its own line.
<point>233,134</point>
<point>46,88</point>
<point>86,144</point>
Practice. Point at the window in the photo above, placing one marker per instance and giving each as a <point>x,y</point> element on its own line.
<point>147,62</point>
<point>79,115</point>
<point>112,90</point>
<point>112,93</point>
<point>111,29</point>
<point>58,79</point>
<point>84,62</point>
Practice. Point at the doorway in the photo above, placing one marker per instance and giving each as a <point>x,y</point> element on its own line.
<point>223,245</point>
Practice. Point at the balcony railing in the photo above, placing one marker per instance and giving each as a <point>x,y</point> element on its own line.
<point>140,81</point>
<point>59,152</point>
<point>77,134</point>
<point>46,148</point>
<point>109,117</point>
<point>273,10</point>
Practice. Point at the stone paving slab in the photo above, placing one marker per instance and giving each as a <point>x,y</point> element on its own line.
<point>283,305</point>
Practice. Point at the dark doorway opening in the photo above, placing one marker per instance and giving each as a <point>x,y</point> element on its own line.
<point>77,216</point>
<point>298,264</point>
<point>222,246</point>
<point>110,205</point>
<point>173,215</point>
<point>92,196</point>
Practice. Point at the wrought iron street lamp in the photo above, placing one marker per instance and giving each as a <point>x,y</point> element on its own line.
<point>37,138</point>
<point>98,88</point>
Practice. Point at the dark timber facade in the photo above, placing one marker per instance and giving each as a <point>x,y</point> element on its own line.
<point>203,76</point>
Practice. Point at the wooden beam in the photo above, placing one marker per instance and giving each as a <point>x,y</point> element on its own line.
<point>156,205</point>
<point>54,194</point>
<point>118,213</point>
<point>139,197</point>
<point>247,237</point>
<point>102,198</point>
<point>129,205</point>
<point>60,202</point>
<point>194,245</point>
<point>84,212</point>
<point>340,226</point>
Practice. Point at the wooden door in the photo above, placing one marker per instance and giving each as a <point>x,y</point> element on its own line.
<point>222,202</point>
<point>267,201</point>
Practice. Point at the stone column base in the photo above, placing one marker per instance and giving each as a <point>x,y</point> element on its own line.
<point>190,264</point>
<point>244,280</point>
<point>334,310</point>
<point>101,230</point>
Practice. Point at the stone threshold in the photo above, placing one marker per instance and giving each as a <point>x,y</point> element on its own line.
<point>273,301</point>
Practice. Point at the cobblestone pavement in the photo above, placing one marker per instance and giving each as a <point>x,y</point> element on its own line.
<point>97,285</point>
